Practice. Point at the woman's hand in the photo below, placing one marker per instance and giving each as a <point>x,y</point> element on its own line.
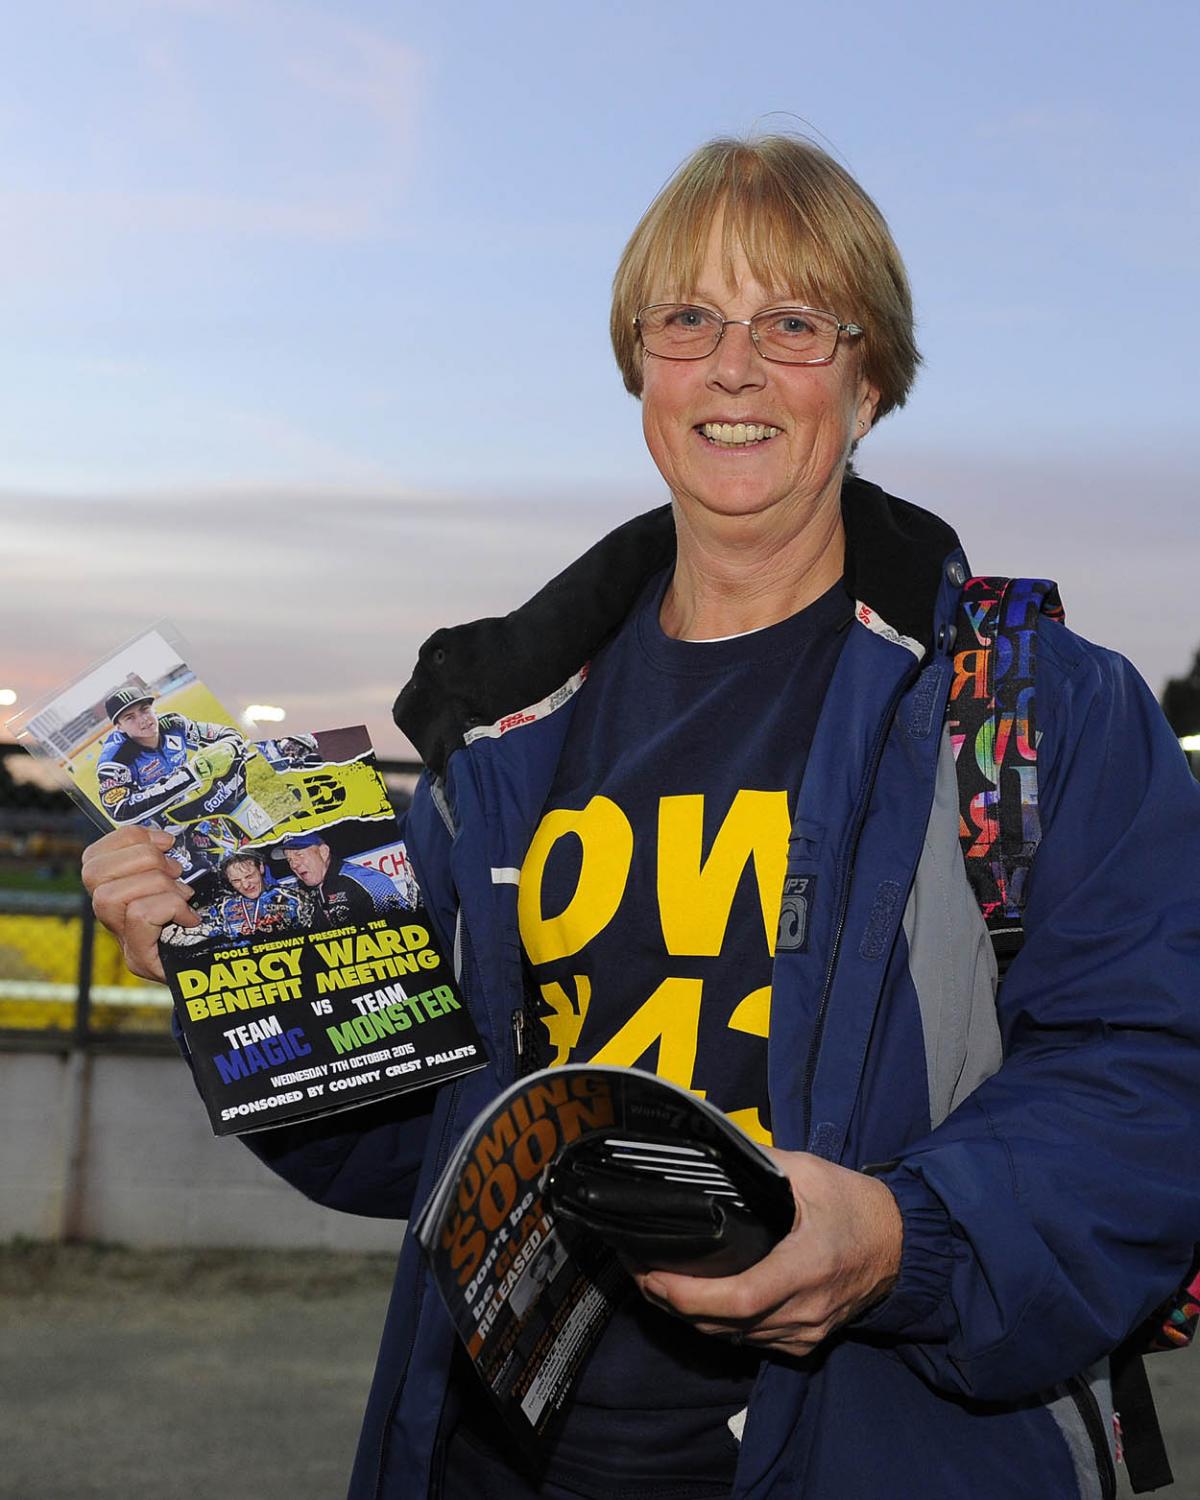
<point>842,1254</point>
<point>136,891</point>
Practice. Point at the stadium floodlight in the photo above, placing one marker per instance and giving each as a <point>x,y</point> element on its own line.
<point>7,697</point>
<point>264,713</point>
<point>1190,741</point>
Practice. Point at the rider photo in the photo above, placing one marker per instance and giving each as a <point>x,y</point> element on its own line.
<point>152,763</point>
<point>291,752</point>
<point>173,772</point>
<point>344,892</point>
<point>252,904</point>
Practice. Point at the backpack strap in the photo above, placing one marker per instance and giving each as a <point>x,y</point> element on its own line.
<point>1142,1445</point>
<point>994,732</point>
<point>993,729</point>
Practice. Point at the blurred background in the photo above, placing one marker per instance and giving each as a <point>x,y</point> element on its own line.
<point>304,322</point>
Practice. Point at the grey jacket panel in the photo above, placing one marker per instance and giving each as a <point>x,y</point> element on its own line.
<point>953,968</point>
<point>950,957</point>
<point>1064,1408</point>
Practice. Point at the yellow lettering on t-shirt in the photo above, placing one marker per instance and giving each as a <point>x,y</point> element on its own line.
<point>750,1121</point>
<point>753,1016</point>
<point>565,1021</point>
<point>670,1017</point>
<point>607,839</point>
<point>695,895</point>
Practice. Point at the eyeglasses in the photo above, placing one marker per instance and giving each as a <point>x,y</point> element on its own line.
<point>789,335</point>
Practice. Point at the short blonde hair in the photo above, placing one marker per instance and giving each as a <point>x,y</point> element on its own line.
<point>805,227</point>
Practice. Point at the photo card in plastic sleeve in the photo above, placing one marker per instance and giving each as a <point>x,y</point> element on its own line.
<point>140,740</point>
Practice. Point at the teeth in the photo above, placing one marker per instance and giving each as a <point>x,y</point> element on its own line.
<point>738,434</point>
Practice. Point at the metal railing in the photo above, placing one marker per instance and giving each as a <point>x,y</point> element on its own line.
<point>63,981</point>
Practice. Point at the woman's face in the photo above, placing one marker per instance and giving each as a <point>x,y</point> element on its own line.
<point>817,409</point>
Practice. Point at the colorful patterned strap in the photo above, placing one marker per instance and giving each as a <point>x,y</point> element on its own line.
<point>994,733</point>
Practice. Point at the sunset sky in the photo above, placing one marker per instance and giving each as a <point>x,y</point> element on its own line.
<point>304,306</point>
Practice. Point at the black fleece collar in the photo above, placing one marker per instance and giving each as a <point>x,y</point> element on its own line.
<point>476,673</point>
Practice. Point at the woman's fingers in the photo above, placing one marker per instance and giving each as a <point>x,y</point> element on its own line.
<point>145,918</point>
<point>127,852</point>
<point>136,892</point>
<point>111,899</point>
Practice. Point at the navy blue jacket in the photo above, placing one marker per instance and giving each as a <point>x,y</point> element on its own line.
<point>1042,1146</point>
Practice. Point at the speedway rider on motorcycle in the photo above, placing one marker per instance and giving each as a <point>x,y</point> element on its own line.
<point>166,770</point>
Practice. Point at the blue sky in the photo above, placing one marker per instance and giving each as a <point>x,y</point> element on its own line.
<point>274,275</point>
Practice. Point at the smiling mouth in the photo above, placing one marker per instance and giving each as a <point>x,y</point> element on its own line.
<point>736,434</point>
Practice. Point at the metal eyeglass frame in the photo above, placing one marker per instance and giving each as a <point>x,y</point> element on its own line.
<point>852,329</point>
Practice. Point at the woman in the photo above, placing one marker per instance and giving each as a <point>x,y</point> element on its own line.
<point>740,703</point>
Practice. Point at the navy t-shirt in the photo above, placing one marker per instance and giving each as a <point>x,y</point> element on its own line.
<point>649,900</point>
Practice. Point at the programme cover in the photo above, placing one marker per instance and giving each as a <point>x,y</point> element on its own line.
<point>314,980</point>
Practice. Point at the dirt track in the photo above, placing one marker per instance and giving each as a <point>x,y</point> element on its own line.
<point>238,1375</point>
<point>169,1376</point>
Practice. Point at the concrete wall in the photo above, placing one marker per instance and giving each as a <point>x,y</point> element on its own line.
<point>33,1149</point>
<point>151,1173</point>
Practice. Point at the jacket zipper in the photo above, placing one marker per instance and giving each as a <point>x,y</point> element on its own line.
<point>518,1038</point>
<point>1089,1410</point>
<point>856,827</point>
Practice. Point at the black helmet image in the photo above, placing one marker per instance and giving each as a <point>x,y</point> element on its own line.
<point>125,697</point>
